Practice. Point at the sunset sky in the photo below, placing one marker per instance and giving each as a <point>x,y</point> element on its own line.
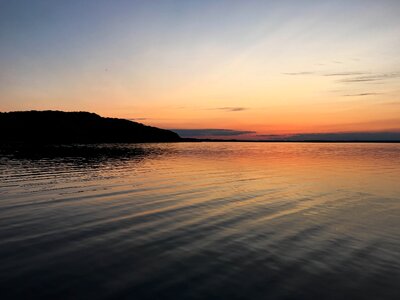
<point>255,68</point>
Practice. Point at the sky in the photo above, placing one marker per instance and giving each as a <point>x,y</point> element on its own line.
<point>231,69</point>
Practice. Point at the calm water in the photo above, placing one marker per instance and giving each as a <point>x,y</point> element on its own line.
<point>201,221</point>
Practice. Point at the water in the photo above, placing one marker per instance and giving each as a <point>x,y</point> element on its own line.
<point>201,221</point>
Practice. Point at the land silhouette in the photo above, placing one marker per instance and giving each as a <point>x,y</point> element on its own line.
<point>58,127</point>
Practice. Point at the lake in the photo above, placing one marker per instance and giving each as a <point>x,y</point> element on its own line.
<point>201,221</point>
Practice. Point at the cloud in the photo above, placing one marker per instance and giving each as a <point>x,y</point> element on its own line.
<point>351,77</point>
<point>230,109</point>
<point>361,94</point>
<point>370,78</point>
<point>298,73</point>
<point>210,132</point>
<point>345,74</point>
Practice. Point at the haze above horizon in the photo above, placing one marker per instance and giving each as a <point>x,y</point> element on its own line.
<point>220,69</point>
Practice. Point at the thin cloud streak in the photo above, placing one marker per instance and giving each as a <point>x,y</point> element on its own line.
<point>345,74</point>
<point>361,94</point>
<point>298,73</point>
<point>371,78</point>
<point>232,109</point>
<point>355,76</point>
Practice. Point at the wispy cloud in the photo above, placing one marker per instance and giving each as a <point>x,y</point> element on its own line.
<point>210,132</point>
<point>231,109</point>
<point>345,74</point>
<point>351,77</point>
<point>361,94</point>
<point>370,78</point>
<point>298,73</point>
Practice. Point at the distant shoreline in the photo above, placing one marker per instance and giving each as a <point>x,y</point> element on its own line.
<point>287,141</point>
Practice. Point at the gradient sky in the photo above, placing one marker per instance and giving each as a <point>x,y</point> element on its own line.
<point>257,67</point>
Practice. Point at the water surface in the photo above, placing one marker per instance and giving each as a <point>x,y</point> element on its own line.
<point>201,221</point>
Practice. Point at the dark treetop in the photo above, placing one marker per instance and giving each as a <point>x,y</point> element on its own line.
<point>76,127</point>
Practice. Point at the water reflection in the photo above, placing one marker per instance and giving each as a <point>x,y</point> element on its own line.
<point>79,153</point>
<point>202,221</point>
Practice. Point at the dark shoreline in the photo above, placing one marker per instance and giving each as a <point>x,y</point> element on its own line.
<point>288,141</point>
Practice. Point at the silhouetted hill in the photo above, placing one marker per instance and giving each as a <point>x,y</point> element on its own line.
<point>76,127</point>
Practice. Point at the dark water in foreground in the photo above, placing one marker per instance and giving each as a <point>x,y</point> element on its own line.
<point>202,221</point>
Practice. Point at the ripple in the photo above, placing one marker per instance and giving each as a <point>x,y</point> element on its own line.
<point>202,221</point>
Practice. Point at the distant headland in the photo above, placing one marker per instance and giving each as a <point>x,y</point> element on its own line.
<point>49,127</point>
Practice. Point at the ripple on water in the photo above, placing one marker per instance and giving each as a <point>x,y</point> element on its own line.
<point>202,221</point>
